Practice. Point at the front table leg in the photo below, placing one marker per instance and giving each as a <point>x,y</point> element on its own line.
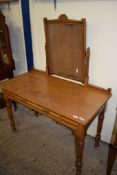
<point>79,146</point>
<point>99,127</point>
<point>10,114</point>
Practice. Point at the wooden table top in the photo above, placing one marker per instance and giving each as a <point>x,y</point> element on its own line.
<point>77,102</point>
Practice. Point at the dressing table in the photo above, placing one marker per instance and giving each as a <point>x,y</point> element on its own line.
<point>74,105</point>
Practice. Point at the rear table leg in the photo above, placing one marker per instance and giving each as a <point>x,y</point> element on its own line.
<point>10,114</point>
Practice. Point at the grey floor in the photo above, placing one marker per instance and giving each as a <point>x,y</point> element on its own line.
<point>42,147</point>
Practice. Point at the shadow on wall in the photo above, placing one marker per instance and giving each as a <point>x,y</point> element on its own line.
<point>17,45</point>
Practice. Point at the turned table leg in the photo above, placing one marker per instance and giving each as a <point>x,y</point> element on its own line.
<point>79,146</point>
<point>10,114</point>
<point>99,127</point>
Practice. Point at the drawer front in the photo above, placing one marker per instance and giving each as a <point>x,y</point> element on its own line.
<point>51,114</point>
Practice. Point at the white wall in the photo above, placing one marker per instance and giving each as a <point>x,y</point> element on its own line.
<point>13,18</point>
<point>101,38</point>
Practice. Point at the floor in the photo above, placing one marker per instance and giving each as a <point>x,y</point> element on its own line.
<point>42,147</point>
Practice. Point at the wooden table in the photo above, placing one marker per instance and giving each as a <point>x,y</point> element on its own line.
<point>68,103</point>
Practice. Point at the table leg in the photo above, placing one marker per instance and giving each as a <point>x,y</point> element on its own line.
<point>10,114</point>
<point>79,146</point>
<point>36,113</point>
<point>99,127</point>
<point>14,105</point>
<point>111,158</point>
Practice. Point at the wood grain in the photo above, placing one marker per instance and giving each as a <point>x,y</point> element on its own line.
<point>72,105</point>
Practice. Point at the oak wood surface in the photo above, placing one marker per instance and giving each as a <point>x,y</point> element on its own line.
<point>65,98</point>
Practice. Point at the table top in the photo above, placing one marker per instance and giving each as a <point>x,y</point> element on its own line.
<point>77,102</point>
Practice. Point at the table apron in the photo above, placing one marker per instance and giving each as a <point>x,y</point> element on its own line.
<point>53,115</point>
